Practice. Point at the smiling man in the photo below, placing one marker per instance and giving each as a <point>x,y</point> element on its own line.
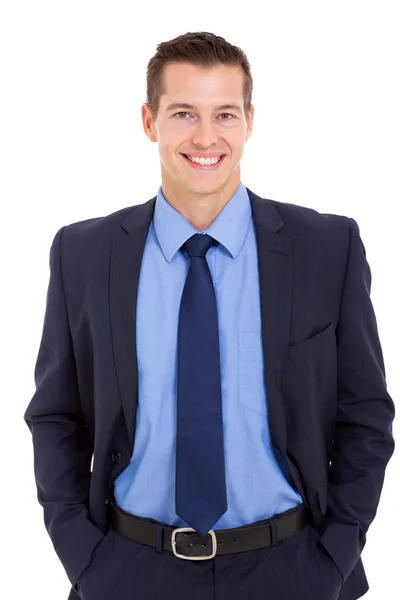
<point>201,122</point>
<point>216,355</point>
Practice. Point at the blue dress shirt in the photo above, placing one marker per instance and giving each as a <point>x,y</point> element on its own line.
<point>257,487</point>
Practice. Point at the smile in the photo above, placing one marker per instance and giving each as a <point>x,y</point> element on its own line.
<point>203,164</point>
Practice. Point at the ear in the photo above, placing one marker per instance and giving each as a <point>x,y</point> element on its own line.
<point>250,123</point>
<point>148,123</point>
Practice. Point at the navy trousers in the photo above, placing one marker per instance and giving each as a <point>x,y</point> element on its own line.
<point>292,569</point>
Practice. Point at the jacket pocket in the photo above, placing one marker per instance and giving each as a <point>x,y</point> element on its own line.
<point>313,343</point>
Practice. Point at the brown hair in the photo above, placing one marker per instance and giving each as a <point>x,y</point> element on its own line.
<point>200,48</point>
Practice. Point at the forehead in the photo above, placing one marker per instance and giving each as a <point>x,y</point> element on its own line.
<point>192,83</point>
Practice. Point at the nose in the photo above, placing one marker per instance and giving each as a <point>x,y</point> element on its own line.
<point>204,134</point>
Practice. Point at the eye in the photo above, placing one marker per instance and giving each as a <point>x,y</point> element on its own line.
<point>229,115</point>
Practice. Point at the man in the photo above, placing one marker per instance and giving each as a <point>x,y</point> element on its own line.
<point>216,355</point>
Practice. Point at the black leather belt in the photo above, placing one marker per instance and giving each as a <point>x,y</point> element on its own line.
<point>187,544</point>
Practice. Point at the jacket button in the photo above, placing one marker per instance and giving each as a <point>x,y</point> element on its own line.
<point>115,457</point>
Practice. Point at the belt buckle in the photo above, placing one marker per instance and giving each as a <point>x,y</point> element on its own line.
<point>181,529</point>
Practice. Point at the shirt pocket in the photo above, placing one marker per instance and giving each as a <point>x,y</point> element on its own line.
<point>251,389</point>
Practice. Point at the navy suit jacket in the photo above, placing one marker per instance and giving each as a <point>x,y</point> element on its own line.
<point>330,415</point>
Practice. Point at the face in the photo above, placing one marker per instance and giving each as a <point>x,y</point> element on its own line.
<point>200,113</point>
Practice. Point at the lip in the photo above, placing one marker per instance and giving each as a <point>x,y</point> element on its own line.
<point>204,154</point>
<point>204,167</point>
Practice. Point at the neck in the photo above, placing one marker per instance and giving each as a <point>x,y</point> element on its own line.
<point>200,210</point>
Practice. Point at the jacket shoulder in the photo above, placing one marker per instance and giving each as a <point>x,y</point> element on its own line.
<point>107,225</point>
<point>314,234</point>
<point>86,239</point>
<point>303,220</point>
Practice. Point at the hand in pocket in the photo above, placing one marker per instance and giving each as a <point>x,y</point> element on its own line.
<point>95,574</point>
<point>330,579</point>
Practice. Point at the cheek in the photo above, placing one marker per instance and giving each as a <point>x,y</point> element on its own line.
<point>169,155</point>
<point>171,143</point>
<point>171,133</point>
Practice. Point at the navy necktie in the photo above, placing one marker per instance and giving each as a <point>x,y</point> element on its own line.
<point>200,464</point>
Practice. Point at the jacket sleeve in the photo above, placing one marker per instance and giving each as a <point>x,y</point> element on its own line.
<point>62,447</point>
<point>363,441</point>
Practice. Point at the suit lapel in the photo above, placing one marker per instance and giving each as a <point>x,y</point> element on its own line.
<point>126,258</point>
<point>274,267</point>
<point>274,263</point>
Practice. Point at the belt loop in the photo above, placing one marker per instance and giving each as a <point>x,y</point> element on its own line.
<point>274,531</point>
<point>159,538</point>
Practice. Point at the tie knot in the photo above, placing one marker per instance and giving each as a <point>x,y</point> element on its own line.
<point>199,244</point>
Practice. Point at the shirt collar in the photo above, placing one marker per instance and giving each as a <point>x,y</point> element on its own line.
<point>229,228</point>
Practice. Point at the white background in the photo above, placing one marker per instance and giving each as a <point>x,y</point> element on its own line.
<point>326,135</point>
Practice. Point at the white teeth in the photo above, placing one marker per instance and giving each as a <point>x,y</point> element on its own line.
<point>204,161</point>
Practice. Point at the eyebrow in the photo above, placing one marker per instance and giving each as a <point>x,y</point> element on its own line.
<point>176,105</point>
